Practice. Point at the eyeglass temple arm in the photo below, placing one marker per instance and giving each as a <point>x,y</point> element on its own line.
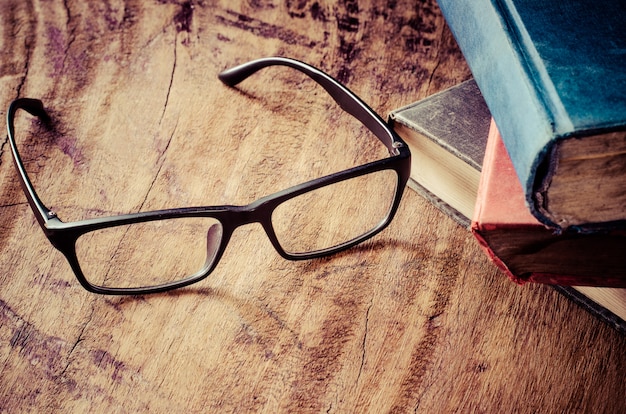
<point>345,98</point>
<point>34,107</point>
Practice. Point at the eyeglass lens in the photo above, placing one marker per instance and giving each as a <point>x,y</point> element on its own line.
<point>178,248</point>
<point>335,214</point>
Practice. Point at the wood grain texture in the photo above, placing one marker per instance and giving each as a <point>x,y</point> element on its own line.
<point>415,320</point>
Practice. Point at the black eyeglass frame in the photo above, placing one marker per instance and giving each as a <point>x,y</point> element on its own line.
<point>63,235</point>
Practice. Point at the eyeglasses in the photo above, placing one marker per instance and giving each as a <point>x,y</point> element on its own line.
<point>317,218</point>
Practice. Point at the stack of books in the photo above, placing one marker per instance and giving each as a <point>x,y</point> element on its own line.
<point>530,155</point>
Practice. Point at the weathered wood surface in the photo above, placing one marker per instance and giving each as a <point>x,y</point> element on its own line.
<point>415,320</point>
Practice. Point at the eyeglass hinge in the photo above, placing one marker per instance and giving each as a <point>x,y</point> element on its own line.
<point>395,146</point>
<point>51,214</point>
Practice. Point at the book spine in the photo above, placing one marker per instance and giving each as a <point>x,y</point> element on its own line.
<point>476,231</point>
<point>476,226</point>
<point>493,44</point>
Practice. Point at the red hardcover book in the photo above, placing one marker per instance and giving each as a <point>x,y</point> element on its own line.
<point>527,250</point>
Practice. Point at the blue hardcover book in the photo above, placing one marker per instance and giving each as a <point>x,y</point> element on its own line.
<point>553,75</point>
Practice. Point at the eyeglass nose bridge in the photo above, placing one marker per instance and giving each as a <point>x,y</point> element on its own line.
<point>259,212</point>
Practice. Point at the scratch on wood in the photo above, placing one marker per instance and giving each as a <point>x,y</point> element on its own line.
<point>169,87</point>
<point>5,142</point>
<point>364,341</point>
<point>10,205</point>
<point>79,339</point>
<point>438,61</point>
<point>29,40</point>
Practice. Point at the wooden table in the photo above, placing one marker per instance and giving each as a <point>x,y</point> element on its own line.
<point>417,319</point>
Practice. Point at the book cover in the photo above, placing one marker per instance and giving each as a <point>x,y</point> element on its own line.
<point>432,123</point>
<point>552,74</point>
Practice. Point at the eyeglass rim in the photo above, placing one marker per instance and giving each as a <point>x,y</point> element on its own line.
<point>63,235</point>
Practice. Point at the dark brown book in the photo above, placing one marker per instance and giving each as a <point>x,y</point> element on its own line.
<point>447,133</point>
